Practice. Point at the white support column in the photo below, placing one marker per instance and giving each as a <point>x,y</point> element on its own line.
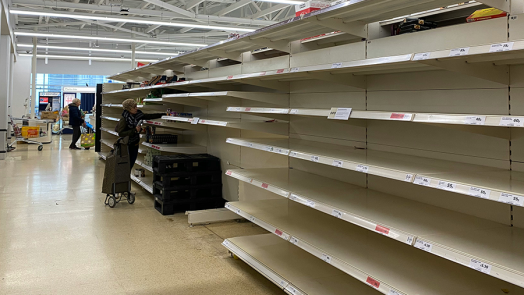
<point>133,51</point>
<point>32,102</point>
<point>11,94</point>
<point>5,62</point>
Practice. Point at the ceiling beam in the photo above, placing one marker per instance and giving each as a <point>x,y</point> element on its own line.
<point>63,24</point>
<point>144,12</point>
<point>193,3</point>
<point>173,8</point>
<point>269,10</point>
<point>115,28</point>
<point>152,28</point>
<point>233,7</point>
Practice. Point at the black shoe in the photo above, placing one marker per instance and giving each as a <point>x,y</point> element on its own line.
<point>74,148</point>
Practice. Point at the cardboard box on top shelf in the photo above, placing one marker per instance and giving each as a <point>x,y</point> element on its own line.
<point>310,6</point>
<point>48,115</point>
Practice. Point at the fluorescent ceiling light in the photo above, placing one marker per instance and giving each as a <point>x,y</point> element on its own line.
<point>130,20</point>
<point>98,49</point>
<point>87,58</point>
<point>283,1</point>
<point>130,40</point>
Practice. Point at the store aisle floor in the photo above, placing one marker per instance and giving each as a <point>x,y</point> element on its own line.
<point>57,237</point>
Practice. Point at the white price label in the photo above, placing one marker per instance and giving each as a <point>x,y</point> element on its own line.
<point>251,218</point>
<point>479,192</point>
<point>393,292</point>
<point>238,211</point>
<point>229,140</point>
<point>501,47</point>
<point>283,283</point>
<point>293,240</point>
<point>292,290</point>
<point>422,56</point>
<point>363,168</point>
<point>269,148</point>
<point>326,258</point>
<point>336,65</point>
<point>225,243</point>
<point>195,120</point>
<point>315,158</point>
<point>459,51</point>
<point>281,151</point>
<point>293,111</point>
<point>480,266</point>
<point>421,180</point>
<point>249,144</point>
<point>293,154</point>
<point>336,213</point>
<point>445,185</point>
<point>409,240</point>
<point>340,113</point>
<point>228,206</point>
<point>511,199</point>
<point>422,245</point>
<point>337,163</point>
<point>293,70</point>
<point>408,178</point>
<point>511,122</point>
<point>231,109</point>
<point>475,120</point>
<point>310,203</point>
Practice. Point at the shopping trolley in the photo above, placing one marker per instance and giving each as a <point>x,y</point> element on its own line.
<point>19,137</point>
<point>117,179</point>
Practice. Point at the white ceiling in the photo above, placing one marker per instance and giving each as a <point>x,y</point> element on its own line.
<point>246,14</point>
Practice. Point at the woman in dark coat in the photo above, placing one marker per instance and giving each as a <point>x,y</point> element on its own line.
<point>75,120</point>
<point>128,126</point>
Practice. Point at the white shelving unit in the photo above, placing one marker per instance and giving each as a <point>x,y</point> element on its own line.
<point>461,238</point>
<point>399,196</point>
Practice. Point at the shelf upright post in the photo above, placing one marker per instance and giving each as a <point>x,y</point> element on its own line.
<point>33,73</point>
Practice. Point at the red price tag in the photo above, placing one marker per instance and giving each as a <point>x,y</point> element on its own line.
<point>158,123</point>
<point>149,122</point>
<point>229,77</point>
<point>382,229</point>
<point>397,116</point>
<point>263,74</point>
<point>248,109</point>
<point>373,282</point>
<point>155,147</point>
<point>265,185</point>
<point>278,232</point>
<point>228,173</point>
<point>202,121</point>
<point>280,71</point>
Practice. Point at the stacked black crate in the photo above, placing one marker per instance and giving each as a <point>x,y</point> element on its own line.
<point>187,182</point>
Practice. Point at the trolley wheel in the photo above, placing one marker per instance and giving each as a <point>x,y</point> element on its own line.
<point>40,147</point>
<point>130,198</point>
<point>111,201</point>
<point>86,149</point>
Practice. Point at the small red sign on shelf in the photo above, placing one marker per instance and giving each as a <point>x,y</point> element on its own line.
<point>228,173</point>
<point>155,147</point>
<point>248,109</point>
<point>397,116</point>
<point>265,185</point>
<point>382,229</point>
<point>278,232</point>
<point>229,77</point>
<point>373,282</point>
<point>280,71</point>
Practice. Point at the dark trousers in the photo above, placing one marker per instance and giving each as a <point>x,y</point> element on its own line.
<point>76,136</point>
<point>133,153</point>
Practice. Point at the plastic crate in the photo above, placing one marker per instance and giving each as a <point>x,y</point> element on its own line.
<point>213,191</point>
<point>179,163</point>
<point>177,179</point>
<point>170,208</point>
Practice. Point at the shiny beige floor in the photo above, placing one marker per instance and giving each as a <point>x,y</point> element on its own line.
<point>57,237</point>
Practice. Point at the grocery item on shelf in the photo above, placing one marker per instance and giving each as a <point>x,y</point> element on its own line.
<point>148,158</point>
<point>485,14</point>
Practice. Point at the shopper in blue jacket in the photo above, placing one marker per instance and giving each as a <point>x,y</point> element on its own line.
<point>75,120</point>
